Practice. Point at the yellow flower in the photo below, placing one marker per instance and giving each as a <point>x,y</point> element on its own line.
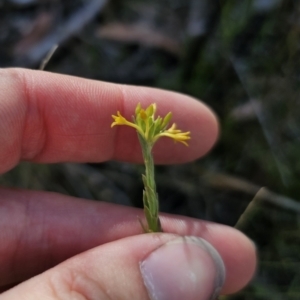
<point>120,120</point>
<point>176,134</point>
<point>152,129</point>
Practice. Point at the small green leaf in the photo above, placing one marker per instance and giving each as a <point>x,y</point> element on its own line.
<point>166,120</point>
<point>150,110</point>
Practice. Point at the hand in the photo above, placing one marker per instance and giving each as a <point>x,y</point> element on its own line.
<point>94,250</point>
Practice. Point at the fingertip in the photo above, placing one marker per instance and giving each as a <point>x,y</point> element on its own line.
<point>236,249</point>
<point>197,273</point>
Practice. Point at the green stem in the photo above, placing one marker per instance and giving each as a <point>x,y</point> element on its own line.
<point>150,197</point>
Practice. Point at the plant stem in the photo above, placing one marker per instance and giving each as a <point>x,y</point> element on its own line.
<point>150,196</point>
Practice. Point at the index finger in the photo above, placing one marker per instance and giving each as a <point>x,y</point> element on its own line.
<point>46,117</point>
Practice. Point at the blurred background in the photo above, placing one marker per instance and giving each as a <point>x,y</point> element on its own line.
<point>242,58</point>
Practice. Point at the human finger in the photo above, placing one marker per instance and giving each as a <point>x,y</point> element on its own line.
<point>46,117</point>
<point>38,230</point>
<point>156,266</point>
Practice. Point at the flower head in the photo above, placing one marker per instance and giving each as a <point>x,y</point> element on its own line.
<point>151,128</point>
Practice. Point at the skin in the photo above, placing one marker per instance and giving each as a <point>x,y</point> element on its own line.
<point>52,118</point>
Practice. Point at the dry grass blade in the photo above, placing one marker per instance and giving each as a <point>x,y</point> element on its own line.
<point>224,181</point>
<point>48,57</point>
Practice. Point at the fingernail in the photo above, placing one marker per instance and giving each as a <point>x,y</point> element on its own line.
<point>185,268</point>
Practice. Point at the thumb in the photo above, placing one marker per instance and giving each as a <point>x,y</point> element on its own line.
<point>155,266</point>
